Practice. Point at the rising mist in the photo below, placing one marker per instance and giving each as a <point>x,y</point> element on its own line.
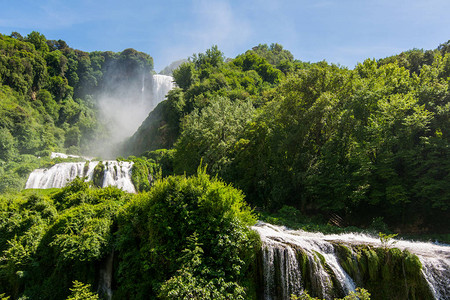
<point>128,93</point>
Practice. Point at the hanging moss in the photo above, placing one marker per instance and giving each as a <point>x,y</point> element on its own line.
<point>373,263</point>
<point>412,264</point>
<point>99,174</point>
<point>349,262</point>
<point>387,273</point>
<point>303,261</point>
<point>86,168</point>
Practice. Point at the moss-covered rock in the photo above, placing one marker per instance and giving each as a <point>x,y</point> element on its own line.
<point>99,174</point>
<point>387,273</point>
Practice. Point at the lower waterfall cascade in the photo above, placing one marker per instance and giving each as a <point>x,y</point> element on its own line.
<point>115,173</point>
<point>327,265</point>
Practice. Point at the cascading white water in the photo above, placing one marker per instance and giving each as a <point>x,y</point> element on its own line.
<point>281,266</point>
<point>435,259</point>
<point>59,175</point>
<point>287,275</point>
<point>162,84</point>
<point>106,277</point>
<point>124,110</point>
<point>116,174</point>
<point>279,258</point>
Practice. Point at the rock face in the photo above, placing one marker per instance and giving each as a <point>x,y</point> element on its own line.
<point>154,132</point>
<point>330,266</point>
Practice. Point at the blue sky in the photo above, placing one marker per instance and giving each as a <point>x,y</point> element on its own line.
<point>340,31</point>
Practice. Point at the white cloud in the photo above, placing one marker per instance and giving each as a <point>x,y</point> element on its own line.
<point>205,24</point>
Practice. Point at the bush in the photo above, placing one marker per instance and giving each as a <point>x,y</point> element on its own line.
<point>187,230</point>
<point>81,291</point>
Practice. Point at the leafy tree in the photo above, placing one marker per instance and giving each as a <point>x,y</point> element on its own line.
<point>73,137</point>
<point>213,57</point>
<point>211,135</point>
<point>274,54</point>
<point>183,75</point>
<point>209,249</point>
<point>81,291</point>
<point>50,105</point>
<point>7,145</point>
<point>56,63</point>
<point>38,40</point>
<point>59,87</point>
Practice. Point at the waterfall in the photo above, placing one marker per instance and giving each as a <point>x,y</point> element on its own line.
<point>60,174</point>
<point>162,84</point>
<point>116,174</point>
<point>106,276</point>
<point>123,108</point>
<point>63,155</point>
<point>286,254</point>
<point>293,261</point>
<point>435,259</point>
<point>284,279</point>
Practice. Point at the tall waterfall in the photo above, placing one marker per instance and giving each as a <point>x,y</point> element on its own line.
<point>124,108</point>
<point>162,84</point>
<point>293,261</point>
<point>115,174</point>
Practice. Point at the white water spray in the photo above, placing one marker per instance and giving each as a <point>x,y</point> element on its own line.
<point>162,84</point>
<point>60,175</point>
<point>116,174</point>
<point>282,276</point>
<point>124,111</point>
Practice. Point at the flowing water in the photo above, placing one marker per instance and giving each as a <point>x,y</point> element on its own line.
<point>106,277</point>
<point>162,84</point>
<point>122,109</point>
<point>294,260</point>
<point>116,174</point>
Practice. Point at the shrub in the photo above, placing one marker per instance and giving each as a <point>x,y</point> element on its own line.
<point>180,221</point>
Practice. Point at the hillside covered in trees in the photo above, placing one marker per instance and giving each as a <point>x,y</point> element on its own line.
<point>369,144</point>
<point>261,135</point>
<point>49,99</point>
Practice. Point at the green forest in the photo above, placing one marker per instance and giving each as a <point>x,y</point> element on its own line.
<point>264,135</point>
<point>367,144</point>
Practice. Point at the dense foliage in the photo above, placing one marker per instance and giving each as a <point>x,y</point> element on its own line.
<point>45,234</point>
<point>368,143</point>
<point>205,77</point>
<point>192,235</point>
<point>187,235</point>
<point>303,141</point>
<point>48,99</point>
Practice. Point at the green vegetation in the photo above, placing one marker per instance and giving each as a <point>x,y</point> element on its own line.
<point>98,174</point>
<point>81,291</point>
<point>310,145</point>
<point>44,234</point>
<point>359,294</point>
<point>187,235</point>
<point>364,144</point>
<point>48,95</point>
<point>388,273</point>
<point>386,239</point>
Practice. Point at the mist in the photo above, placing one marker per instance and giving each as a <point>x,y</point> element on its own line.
<point>127,95</point>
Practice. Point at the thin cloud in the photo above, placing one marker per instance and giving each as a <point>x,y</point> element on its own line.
<point>216,22</point>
